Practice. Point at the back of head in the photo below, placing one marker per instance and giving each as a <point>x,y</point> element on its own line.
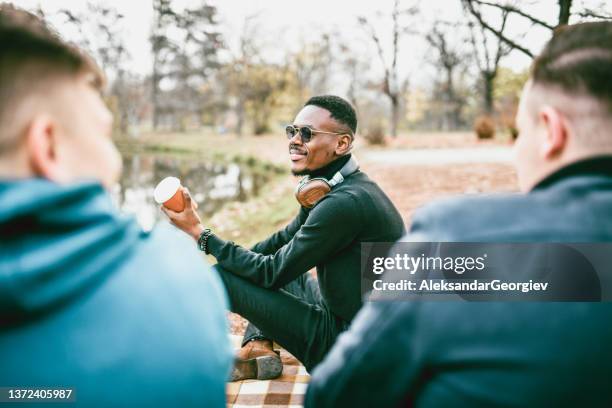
<point>53,122</point>
<point>574,71</point>
<point>578,60</point>
<point>32,56</point>
<point>565,114</point>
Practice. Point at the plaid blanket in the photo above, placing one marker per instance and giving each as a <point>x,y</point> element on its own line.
<point>286,391</point>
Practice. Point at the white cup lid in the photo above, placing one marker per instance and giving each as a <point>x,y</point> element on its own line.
<point>166,189</point>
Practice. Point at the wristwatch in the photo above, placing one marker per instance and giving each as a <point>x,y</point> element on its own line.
<point>203,240</point>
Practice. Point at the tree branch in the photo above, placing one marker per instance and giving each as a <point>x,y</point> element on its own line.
<point>512,9</point>
<point>395,16</point>
<point>592,14</point>
<point>470,6</point>
<point>500,45</point>
<point>376,40</point>
<point>481,67</point>
<point>485,47</point>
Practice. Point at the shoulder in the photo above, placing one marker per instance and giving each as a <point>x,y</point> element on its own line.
<point>353,191</point>
<point>168,292</point>
<point>359,183</point>
<point>339,203</point>
<point>170,254</point>
<point>366,192</point>
<point>467,217</point>
<point>172,278</point>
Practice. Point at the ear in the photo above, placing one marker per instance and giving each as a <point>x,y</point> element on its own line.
<point>344,144</point>
<point>556,132</point>
<point>41,145</point>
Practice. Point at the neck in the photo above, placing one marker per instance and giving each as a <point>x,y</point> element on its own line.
<point>14,166</point>
<point>596,165</point>
<point>330,168</point>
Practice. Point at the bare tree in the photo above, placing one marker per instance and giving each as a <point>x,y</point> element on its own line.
<point>391,85</point>
<point>566,9</point>
<point>162,48</point>
<point>448,59</point>
<point>185,48</point>
<point>488,50</point>
<point>312,64</point>
<point>257,89</point>
<point>236,78</point>
<point>353,67</point>
<point>100,32</point>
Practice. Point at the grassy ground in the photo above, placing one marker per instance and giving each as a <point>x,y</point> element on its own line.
<point>210,146</point>
<point>249,222</point>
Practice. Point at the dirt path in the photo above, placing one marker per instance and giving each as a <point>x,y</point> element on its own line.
<point>416,173</point>
<point>412,186</point>
<point>440,157</point>
<point>415,177</point>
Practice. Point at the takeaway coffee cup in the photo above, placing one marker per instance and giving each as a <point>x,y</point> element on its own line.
<point>168,192</point>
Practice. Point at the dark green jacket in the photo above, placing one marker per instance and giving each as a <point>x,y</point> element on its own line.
<point>327,237</point>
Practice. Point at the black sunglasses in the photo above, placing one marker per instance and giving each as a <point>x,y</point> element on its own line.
<point>306,133</point>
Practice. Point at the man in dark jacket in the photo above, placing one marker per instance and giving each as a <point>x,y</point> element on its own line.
<point>447,354</point>
<point>88,301</point>
<point>270,284</point>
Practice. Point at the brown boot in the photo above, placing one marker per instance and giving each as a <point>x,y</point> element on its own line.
<point>256,359</point>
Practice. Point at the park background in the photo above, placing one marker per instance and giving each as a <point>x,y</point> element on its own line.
<point>203,90</point>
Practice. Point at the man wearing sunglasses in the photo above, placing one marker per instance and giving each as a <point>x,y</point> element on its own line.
<point>270,284</point>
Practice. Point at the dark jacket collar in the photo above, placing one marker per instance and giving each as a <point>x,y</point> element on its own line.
<point>600,165</point>
<point>330,169</point>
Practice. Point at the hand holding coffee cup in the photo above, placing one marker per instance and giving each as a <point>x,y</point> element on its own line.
<point>177,204</point>
<point>168,193</point>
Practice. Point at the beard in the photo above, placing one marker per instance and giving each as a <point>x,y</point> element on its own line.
<point>303,172</point>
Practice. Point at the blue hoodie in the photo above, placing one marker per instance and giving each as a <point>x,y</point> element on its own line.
<point>90,301</point>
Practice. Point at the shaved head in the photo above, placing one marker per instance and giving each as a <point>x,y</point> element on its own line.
<point>53,121</point>
<point>33,62</point>
<point>565,112</point>
<point>589,119</point>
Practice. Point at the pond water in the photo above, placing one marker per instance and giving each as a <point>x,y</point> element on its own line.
<point>212,184</point>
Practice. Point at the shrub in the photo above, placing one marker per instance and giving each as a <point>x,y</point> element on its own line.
<point>375,134</point>
<point>484,126</point>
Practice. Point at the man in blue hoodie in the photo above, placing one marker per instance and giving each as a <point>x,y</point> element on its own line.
<point>88,301</point>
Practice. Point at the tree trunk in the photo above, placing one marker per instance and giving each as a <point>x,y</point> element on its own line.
<point>488,78</point>
<point>155,94</point>
<point>452,107</point>
<point>395,112</point>
<point>124,119</point>
<point>239,118</point>
<point>564,11</point>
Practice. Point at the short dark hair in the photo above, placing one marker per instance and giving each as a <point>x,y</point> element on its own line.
<point>32,53</point>
<point>339,109</point>
<point>578,58</point>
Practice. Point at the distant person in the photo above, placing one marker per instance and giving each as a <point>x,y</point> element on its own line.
<point>87,299</point>
<point>270,284</point>
<point>450,354</point>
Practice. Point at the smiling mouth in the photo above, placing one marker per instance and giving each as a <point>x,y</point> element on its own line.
<point>295,154</point>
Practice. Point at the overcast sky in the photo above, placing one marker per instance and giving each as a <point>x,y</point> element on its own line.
<point>283,23</point>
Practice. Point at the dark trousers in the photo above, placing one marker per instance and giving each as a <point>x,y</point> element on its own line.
<point>295,316</point>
